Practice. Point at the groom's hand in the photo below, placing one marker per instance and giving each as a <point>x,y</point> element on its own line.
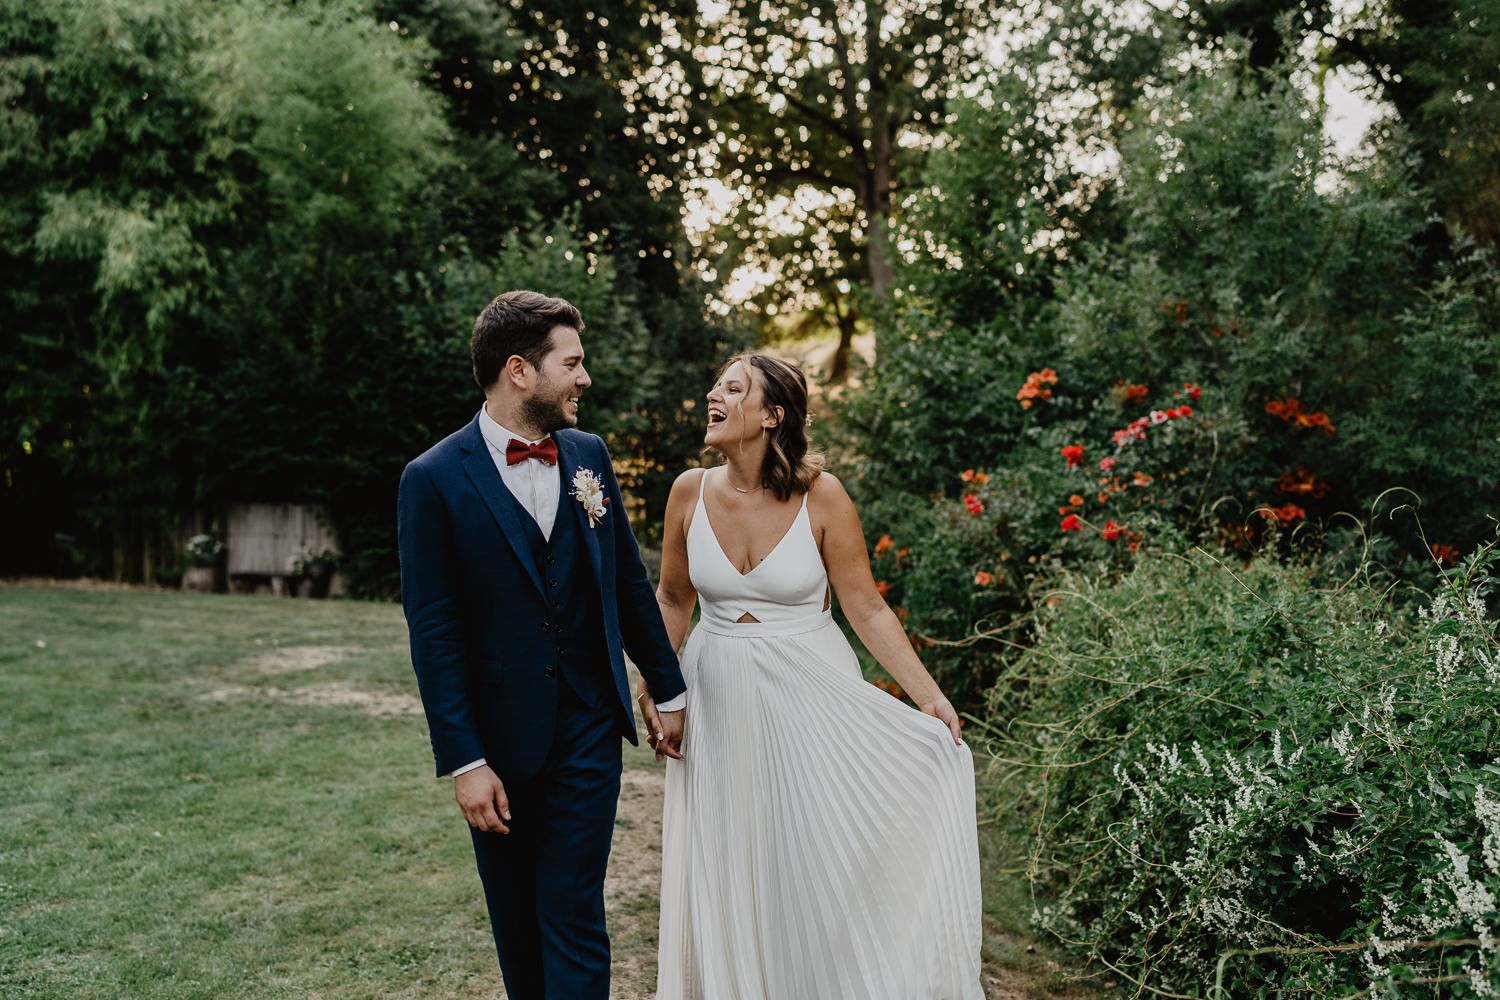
<point>482,798</point>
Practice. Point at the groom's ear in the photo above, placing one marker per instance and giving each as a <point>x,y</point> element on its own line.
<point>516,369</point>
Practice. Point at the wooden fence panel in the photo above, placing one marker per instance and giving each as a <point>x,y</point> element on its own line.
<point>264,538</point>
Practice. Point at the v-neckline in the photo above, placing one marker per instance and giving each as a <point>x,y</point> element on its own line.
<point>703,503</point>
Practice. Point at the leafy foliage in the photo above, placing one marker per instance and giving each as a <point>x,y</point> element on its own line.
<point>1234,763</point>
<point>1252,270</point>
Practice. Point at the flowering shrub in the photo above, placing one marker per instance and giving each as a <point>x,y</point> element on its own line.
<point>1240,782</point>
<point>203,550</point>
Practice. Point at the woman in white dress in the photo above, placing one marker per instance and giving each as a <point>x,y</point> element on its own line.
<point>819,838</point>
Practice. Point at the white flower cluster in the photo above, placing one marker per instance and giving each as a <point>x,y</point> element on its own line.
<point>589,491</point>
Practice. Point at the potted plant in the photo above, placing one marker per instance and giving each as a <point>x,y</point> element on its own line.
<point>313,571</point>
<point>202,553</point>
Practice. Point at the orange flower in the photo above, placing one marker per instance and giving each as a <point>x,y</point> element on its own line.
<point>1445,554</point>
<point>1035,389</point>
<point>983,579</point>
<point>882,588</point>
<point>1141,479</point>
<point>1302,482</point>
<point>1076,500</point>
<point>890,687</point>
<point>967,475</point>
<point>884,545</point>
<point>1290,410</point>
<point>980,478</point>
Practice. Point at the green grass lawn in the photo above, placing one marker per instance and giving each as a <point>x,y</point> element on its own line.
<point>228,796</point>
<point>186,810</point>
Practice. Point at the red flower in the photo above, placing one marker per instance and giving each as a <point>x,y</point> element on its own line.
<point>1192,390</point>
<point>983,579</point>
<point>1285,514</point>
<point>975,505</point>
<point>1111,531</point>
<point>1073,453</point>
<point>1071,523</point>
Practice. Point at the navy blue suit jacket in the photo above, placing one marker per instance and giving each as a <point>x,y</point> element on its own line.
<point>475,604</point>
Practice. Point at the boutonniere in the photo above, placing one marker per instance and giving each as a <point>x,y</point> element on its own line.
<point>589,491</point>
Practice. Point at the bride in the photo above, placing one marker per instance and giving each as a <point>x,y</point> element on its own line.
<point>819,836</point>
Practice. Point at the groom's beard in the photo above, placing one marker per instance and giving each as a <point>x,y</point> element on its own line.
<point>549,414</point>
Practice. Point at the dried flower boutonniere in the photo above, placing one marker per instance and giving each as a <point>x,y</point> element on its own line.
<point>589,491</point>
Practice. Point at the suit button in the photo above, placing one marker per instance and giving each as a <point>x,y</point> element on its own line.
<point>546,626</point>
<point>547,672</point>
<point>552,560</point>
<point>552,584</point>
<point>556,605</point>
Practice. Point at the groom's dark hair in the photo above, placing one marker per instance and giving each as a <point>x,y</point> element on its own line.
<point>517,323</point>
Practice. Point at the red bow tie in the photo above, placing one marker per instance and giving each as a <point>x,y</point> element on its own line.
<point>517,451</point>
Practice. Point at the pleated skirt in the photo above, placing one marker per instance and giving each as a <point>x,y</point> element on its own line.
<point>819,841</point>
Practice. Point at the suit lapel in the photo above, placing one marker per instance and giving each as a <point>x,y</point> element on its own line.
<point>480,467</point>
<point>568,457</point>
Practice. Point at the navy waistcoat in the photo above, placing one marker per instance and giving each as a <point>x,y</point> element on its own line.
<point>574,620</point>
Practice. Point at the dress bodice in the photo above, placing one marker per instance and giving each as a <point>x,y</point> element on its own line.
<point>786,588</point>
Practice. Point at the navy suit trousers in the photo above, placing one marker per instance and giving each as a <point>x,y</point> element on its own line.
<point>552,943</point>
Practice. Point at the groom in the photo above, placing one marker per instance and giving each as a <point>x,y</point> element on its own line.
<point>523,589</point>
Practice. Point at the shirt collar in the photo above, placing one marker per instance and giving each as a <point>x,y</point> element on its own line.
<point>497,435</point>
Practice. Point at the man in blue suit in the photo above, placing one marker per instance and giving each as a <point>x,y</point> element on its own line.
<point>523,591</point>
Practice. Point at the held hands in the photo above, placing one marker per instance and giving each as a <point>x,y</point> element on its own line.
<point>482,798</point>
<point>941,708</point>
<point>663,729</point>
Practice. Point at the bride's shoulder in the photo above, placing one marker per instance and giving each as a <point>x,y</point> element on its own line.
<point>689,477</point>
<point>827,493</point>
<point>685,486</point>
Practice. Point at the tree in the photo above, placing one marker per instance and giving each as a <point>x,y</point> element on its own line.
<point>821,112</point>
<point>584,117</point>
<point>1434,63</point>
<point>200,201</point>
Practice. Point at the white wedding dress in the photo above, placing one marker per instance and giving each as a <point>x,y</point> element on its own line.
<point>819,840</point>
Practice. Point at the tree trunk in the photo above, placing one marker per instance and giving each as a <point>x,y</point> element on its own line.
<point>838,365</point>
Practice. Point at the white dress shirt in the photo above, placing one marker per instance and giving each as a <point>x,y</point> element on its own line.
<point>535,484</point>
<point>537,487</point>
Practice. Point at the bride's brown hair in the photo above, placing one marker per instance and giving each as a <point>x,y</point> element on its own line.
<point>789,467</point>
